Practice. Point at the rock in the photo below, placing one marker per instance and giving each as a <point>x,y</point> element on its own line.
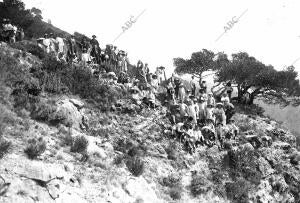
<point>138,188</point>
<point>282,145</point>
<point>55,188</point>
<point>36,170</point>
<point>77,103</point>
<point>69,167</point>
<point>93,149</point>
<point>69,114</point>
<point>295,158</point>
<point>264,167</point>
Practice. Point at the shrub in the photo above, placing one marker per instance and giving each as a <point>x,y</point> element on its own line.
<point>4,147</point>
<point>79,144</point>
<point>199,184</point>
<point>175,193</point>
<point>35,147</point>
<point>172,180</point>
<point>238,191</point>
<point>30,47</point>
<point>135,165</point>
<point>244,163</point>
<point>118,160</point>
<point>172,151</point>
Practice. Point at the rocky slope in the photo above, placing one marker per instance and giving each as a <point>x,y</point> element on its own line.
<point>132,157</point>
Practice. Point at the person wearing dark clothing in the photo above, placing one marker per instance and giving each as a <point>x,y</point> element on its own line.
<point>203,86</point>
<point>95,49</point>
<point>229,90</point>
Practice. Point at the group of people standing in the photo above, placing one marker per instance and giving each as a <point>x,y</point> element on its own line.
<point>86,51</point>
<point>197,116</point>
<point>10,33</point>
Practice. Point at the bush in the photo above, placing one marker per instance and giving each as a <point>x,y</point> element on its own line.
<point>4,147</point>
<point>35,148</point>
<point>30,47</point>
<point>175,193</point>
<point>199,184</point>
<point>238,191</point>
<point>172,180</point>
<point>244,163</point>
<point>79,144</point>
<point>135,165</point>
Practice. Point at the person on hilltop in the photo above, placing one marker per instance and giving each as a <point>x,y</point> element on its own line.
<point>229,110</point>
<point>229,90</point>
<point>47,43</point>
<point>193,83</point>
<point>9,31</point>
<point>220,114</point>
<point>203,86</point>
<point>211,100</point>
<point>72,48</point>
<point>61,44</point>
<point>96,50</point>
<point>52,43</point>
<point>192,111</point>
<point>181,92</point>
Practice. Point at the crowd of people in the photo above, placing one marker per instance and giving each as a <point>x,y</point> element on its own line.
<point>86,51</point>
<point>10,33</point>
<point>197,116</point>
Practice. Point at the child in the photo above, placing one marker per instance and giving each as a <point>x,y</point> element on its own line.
<point>192,111</point>
<point>209,113</point>
<point>220,114</point>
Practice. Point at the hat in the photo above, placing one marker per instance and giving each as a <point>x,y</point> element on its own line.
<point>219,104</point>
<point>181,85</point>
<point>111,74</point>
<point>93,36</point>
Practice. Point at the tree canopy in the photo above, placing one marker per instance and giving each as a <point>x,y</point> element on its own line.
<point>198,63</point>
<point>248,73</point>
<point>28,19</point>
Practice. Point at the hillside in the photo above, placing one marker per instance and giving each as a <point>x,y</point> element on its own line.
<point>65,137</point>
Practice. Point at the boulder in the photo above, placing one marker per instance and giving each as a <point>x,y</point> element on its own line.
<point>138,188</point>
<point>69,114</point>
<point>77,103</point>
<point>264,167</point>
<point>40,171</point>
<point>282,145</point>
<point>295,158</point>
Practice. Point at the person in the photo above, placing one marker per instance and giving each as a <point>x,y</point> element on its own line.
<point>224,97</point>
<point>229,90</point>
<point>220,114</point>
<point>96,50</point>
<point>202,112</point>
<point>154,82</point>
<point>136,95</point>
<point>177,82</point>
<point>193,85</point>
<point>211,100</point>
<point>124,63</point>
<point>72,51</point>
<point>221,132</point>
<point>182,108</point>
<point>203,86</point>
<point>181,92</point>
<point>20,34</point>
<point>203,94</point>
<point>192,111</point>
<point>61,44</point>
<point>209,133</point>
<point>10,31</point>
<point>229,110</point>
<point>150,97</point>
<point>47,43</point>
<point>52,43</point>
<point>209,113</point>
<point>233,130</point>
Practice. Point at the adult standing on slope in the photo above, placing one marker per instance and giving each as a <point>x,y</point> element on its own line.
<point>95,49</point>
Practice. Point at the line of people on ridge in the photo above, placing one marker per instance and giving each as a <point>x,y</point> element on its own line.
<point>197,117</point>
<point>85,51</point>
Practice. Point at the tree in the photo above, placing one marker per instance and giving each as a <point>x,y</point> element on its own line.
<point>198,63</point>
<point>249,73</point>
<point>37,13</point>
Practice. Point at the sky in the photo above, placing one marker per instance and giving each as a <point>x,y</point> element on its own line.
<point>269,30</point>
